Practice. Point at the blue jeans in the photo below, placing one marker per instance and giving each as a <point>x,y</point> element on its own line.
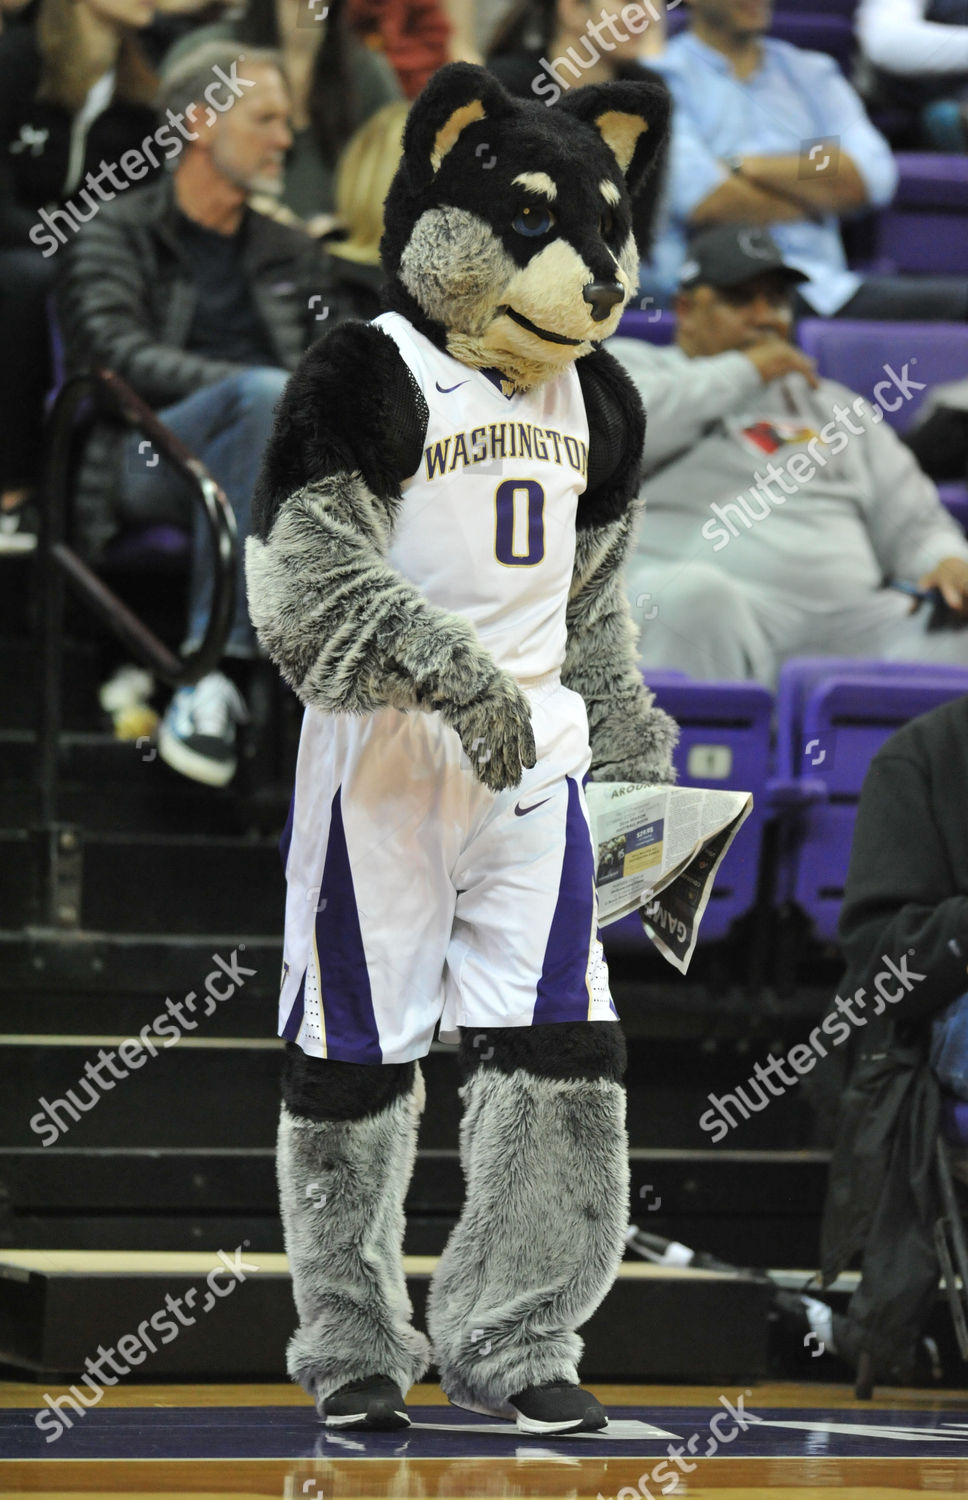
<point>227,426</point>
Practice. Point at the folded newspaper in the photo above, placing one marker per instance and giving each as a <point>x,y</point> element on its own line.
<point>657,850</point>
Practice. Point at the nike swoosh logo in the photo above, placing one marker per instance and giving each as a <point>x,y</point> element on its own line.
<point>445,390</point>
<point>522,812</point>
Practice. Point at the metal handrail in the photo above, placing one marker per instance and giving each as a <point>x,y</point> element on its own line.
<point>60,562</point>
<point>108,389</point>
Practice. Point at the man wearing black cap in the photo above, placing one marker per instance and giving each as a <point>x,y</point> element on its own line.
<point>778,503</point>
<point>764,132</point>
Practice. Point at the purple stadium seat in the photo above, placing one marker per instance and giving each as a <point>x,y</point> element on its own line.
<point>843,8</point>
<point>858,352</point>
<point>652,324</point>
<point>933,179</point>
<point>157,549</point>
<point>832,34</point>
<point>825,27</point>
<point>833,714</point>
<point>725,742</point>
<point>926,227</point>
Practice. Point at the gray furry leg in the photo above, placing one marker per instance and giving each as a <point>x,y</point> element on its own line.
<point>538,1245</point>
<point>342,1183</point>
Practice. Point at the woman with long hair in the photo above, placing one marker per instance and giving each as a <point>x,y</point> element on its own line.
<point>363,176</point>
<point>75,95</point>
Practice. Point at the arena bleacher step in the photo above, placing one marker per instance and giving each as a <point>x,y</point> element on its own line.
<point>748,1208</point>
<point>58,1308</point>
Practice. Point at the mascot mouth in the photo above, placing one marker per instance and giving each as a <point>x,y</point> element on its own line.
<point>542,333</point>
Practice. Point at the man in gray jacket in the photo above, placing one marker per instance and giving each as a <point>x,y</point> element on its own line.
<point>203,306</point>
<point>779,504</point>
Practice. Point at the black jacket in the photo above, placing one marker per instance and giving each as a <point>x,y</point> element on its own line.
<point>906,896</point>
<point>35,140</point>
<point>126,301</point>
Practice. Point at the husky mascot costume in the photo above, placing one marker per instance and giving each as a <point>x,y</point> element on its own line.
<point>439,528</point>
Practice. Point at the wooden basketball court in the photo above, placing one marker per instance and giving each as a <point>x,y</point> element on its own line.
<point>771,1440</point>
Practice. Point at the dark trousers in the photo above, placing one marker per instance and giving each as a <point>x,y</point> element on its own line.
<point>26,279</point>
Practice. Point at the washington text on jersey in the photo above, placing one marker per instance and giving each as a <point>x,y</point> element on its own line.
<point>505,440</point>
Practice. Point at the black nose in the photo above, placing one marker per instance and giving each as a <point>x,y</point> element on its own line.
<point>602,295</point>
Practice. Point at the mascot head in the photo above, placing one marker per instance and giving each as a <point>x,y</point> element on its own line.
<point>508,236</point>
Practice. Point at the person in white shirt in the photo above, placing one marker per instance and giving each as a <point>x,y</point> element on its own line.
<point>771,134</point>
<point>778,504</point>
<point>915,58</point>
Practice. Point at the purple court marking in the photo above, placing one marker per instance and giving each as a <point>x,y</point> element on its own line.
<point>291,1432</point>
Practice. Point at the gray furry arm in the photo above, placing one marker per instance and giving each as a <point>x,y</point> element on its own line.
<point>351,635</point>
<point>631,739</point>
<point>347,632</point>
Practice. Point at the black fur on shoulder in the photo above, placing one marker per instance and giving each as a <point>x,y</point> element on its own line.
<point>616,434</point>
<point>351,405</point>
<point>319,1088</point>
<point>566,1050</point>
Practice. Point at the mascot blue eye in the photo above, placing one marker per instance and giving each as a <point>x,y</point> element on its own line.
<point>533,221</point>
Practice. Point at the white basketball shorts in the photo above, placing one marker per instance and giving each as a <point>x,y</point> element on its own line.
<point>416,896</point>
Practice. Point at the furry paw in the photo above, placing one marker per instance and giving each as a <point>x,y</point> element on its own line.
<point>495,731</point>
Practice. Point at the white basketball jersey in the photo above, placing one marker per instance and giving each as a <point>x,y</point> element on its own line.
<point>486,528</point>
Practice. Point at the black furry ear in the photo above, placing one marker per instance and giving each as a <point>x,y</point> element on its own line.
<point>631,117</point>
<point>457,95</point>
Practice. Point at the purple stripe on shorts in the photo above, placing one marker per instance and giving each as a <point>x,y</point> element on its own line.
<point>562,990</point>
<point>291,1029</point>
<point>352,1034</point>
<point>285,838</point>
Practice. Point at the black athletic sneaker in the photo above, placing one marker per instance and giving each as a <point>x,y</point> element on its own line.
<point>558,1406</point>
<point>374,1404</point>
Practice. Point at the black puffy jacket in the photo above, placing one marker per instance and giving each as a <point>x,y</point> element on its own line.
<point>126,299</point>
<point>906,899</point>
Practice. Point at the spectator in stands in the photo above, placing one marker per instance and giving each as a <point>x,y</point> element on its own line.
<point>363,179</point>
<point>543,47</point>
<point>778,504</point>
<point>202,306</point>
<point>75,93</point>
<point>335,84</point>
<point>415,36</point>
<point>905,907</point>
<point>769,134</point>
<point>915,56</point>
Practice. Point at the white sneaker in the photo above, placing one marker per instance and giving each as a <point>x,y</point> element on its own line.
<point>18,529</point>
<point>197,734</point>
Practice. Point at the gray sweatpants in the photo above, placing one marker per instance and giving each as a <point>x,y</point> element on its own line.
<point>698,620</point>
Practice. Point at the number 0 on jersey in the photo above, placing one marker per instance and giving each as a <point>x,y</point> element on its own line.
<point>519,523</point>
